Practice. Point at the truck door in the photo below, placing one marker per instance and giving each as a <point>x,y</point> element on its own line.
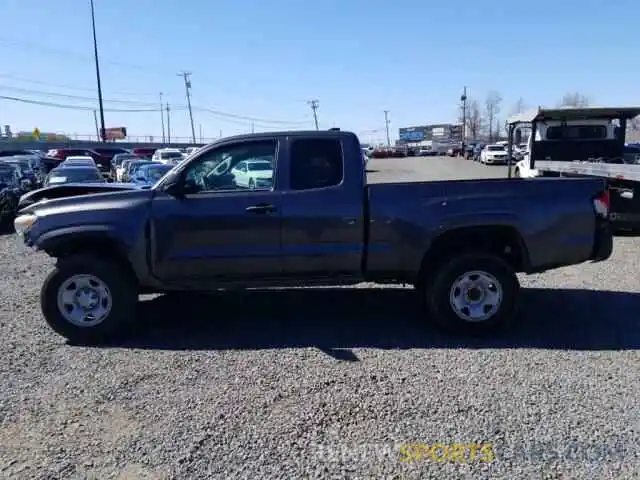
<point>322,211</point>
<point>222,231</point>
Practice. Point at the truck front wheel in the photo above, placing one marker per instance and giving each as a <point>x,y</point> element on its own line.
<point>473,293</point>
<point>87,299</point>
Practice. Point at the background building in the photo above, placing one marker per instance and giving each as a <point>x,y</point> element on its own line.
<point>428,135</point>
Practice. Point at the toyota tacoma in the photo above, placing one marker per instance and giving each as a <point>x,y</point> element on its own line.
<point>315,221</point>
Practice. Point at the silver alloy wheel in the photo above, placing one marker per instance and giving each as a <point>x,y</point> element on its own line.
<point>475,296</point>
<point>84,300</point>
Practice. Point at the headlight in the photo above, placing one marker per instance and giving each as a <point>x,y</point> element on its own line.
<point>23,222</point>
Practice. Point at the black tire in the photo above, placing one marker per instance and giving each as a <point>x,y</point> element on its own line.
<point>124,297</point>
<point>517,172</point>
<point>252,184</point>
<point>436,293</point>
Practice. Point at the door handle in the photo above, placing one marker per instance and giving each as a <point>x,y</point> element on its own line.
<point>261,208</point>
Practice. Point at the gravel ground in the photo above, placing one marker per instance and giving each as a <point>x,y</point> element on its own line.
<point>325,384</point>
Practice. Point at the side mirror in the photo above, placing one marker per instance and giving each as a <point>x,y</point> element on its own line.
<point>179,188</point>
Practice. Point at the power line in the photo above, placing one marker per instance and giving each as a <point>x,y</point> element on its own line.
<point>250,119</point>
<point>152,106</point>
<point>71,107</point>
<point>71,97</point>
<point>233,118</point>
<point>70,87</point>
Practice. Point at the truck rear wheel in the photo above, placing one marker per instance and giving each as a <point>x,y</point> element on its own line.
<point>472,293</point>
<point>87,299</point>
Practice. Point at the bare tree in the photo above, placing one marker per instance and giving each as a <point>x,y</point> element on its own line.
<point>519,107</point>
<point>492,109</point>
<point>474,119</point>
<point>574,99</point>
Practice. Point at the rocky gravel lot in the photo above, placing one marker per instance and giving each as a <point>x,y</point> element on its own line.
<point>325,383</point>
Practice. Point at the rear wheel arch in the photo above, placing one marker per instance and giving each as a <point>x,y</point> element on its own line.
<point>503,241</point>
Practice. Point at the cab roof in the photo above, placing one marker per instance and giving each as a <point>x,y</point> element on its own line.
<point>574,113</point>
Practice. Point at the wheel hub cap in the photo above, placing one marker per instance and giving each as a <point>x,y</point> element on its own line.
<point>84,300</point>
<point>475,296</point>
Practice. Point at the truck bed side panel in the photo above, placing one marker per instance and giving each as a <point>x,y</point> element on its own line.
<point>554,217</point>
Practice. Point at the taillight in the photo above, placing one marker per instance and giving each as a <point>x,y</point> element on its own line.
<point>602,203</point>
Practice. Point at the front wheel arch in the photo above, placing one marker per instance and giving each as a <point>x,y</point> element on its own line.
<point>98,243</point>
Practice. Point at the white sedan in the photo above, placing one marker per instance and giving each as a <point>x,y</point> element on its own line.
<point>493,154</point>
<point>253,174</point>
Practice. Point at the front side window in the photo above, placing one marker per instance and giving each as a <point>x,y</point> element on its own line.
<point>216,169</point>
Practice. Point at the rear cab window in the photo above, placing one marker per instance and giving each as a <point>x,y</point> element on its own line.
<point>577,132</point>
<point>316,163</point>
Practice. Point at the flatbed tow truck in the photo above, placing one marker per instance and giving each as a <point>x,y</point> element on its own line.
<point>580,142</point>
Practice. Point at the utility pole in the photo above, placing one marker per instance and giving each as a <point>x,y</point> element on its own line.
<point>168,125</point>
<point>95,54</point>
<point>162,118</point>
<point>463,99</point>
<point>200,132</point>
<point>314,106</point>
<point>386,126</point>
<point>187,87</point>
<point>253,128</point>
<point>95,121</point>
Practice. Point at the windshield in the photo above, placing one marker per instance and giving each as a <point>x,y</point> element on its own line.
<point>495,148</point>
<point>71,175</point>
<point>78,161</point>
<point>135,166</point>
<point>6,176</point>
<point>156,172</point>
<point>259,166</point>
<point>23,164</point>
<point>121,157</point>
<point>167,155</point>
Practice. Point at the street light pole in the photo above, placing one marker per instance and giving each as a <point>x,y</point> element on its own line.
<point>463,99</point>
<point>95,53</point>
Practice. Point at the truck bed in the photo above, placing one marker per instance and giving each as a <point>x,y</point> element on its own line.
<point>421,169</point>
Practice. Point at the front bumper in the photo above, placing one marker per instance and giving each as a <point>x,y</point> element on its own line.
<point>603,244</point>
<point>496,160</point>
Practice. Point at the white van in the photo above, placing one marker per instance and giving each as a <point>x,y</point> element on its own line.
<point>168,156</point>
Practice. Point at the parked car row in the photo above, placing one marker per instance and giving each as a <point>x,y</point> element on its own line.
<point>19,174</point>
<point>493,154</point>
<point>401,152</point>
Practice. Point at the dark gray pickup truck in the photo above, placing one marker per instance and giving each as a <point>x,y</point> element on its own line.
<point>295,208</point>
